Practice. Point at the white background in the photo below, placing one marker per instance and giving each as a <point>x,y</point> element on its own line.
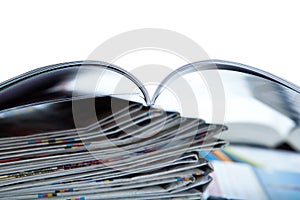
<point>263,34</point>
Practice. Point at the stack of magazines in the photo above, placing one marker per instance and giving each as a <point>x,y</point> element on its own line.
<point>135,152</point>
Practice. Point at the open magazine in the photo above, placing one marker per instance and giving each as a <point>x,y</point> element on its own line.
<point>89,130</point>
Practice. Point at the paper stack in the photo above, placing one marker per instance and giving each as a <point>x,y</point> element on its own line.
<point>135,152</point>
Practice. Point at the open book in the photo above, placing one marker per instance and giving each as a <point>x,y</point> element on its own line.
<point>275,120</point>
